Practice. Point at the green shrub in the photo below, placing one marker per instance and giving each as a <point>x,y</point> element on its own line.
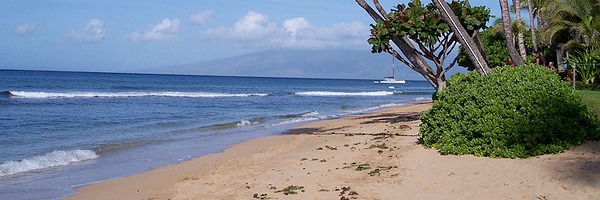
<point>513,112</point>
<point>587,65</point>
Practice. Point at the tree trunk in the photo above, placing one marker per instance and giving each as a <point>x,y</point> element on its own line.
<point>531,25</point>
<point>559,55</point>
<point>508,33</point>
<point>478,40</point>
<point>465,39</point>
<point>520,36</point>
<point>539,18</point>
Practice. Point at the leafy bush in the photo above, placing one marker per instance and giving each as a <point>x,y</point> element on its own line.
<point>588,65</point>
<point>513,112</point>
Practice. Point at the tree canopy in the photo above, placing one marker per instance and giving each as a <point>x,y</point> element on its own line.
<point>420,32</point>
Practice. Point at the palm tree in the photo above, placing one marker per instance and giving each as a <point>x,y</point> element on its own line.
<point>520,29</point>
<point>572,24</point>
<point>540,7</point>
<point>536,9</point>
<point>530,7</point>
<point>510,37</point>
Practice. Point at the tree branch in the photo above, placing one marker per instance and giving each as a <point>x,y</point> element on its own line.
<point>380,9</point>
<point>451,64</point>
<point>462,35</point>
<point>425,52</point>
<point>369,10</point>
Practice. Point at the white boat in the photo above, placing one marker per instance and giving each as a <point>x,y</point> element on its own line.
<point>391,80</point>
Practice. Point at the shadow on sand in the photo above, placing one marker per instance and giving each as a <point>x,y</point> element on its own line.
<point>392,118</point>
<point>582,167</point>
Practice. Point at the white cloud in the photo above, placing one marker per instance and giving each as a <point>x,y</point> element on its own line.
<point>294,25</point>
<point>24,29</point>
<point>255,31</point>
<point>252,27</point>
<point>166,30</point>
<point>91,33</point>
<point>201,17</point>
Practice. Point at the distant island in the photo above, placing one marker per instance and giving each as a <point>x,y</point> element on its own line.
<point>344,64</point>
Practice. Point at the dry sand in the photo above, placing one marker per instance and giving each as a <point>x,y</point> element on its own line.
<point>369,156</point>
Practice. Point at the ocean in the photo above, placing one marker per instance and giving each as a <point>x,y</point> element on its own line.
<point>60,130</point>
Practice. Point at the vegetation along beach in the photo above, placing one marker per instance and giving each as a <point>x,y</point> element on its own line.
<point>295,100</point>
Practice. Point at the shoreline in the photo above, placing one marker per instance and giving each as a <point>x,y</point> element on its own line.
<point>365,156</point>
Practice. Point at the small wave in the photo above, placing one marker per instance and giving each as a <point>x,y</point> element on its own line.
<point>22,94</point>
<point>329,93</point>
<point>104,148</point>
<point>374,108</point>
<point>422,99</point>
<point>53,159</point>
<point>254,121</point>
<point>235,124</point>
<point>6,94</point>
<point>415,93</point>
<point>306,114</point>
<point>311,114</point>
<point>299,120</point>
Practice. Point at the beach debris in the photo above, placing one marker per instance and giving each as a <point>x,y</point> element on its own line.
<point>362,167</point>
<point>327,147</point>
<point>375,172</point>
<point>359,167</point>
<point>348,191</point>
<point>381,146</point>
<point>261,196</point>
<point>292,189</point>
<point>190,179</point>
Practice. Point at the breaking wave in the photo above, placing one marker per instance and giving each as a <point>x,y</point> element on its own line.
<point>5,94</point>
<point>52,159</point>
<point>22,94</point>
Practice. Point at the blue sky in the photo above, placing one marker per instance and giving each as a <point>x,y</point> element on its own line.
<point>129,35</point>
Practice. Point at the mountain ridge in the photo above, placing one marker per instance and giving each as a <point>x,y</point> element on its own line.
<point>345,64</point>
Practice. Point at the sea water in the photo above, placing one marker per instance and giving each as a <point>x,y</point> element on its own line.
<point>60,130</point>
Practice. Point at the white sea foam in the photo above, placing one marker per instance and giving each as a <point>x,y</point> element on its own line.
<point>370,109</point>
<point>330,93</point>
<point>311,114</point>
<point>298,120</point>
<point>53,159</point>
<point>422,99</point>
<point>245,123</point>
<point>23,94</point>
<point>314,115</point>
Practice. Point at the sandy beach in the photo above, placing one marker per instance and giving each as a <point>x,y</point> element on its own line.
<point>367,156</point>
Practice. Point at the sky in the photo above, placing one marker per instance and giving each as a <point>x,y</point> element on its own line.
<point>130,35</point>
